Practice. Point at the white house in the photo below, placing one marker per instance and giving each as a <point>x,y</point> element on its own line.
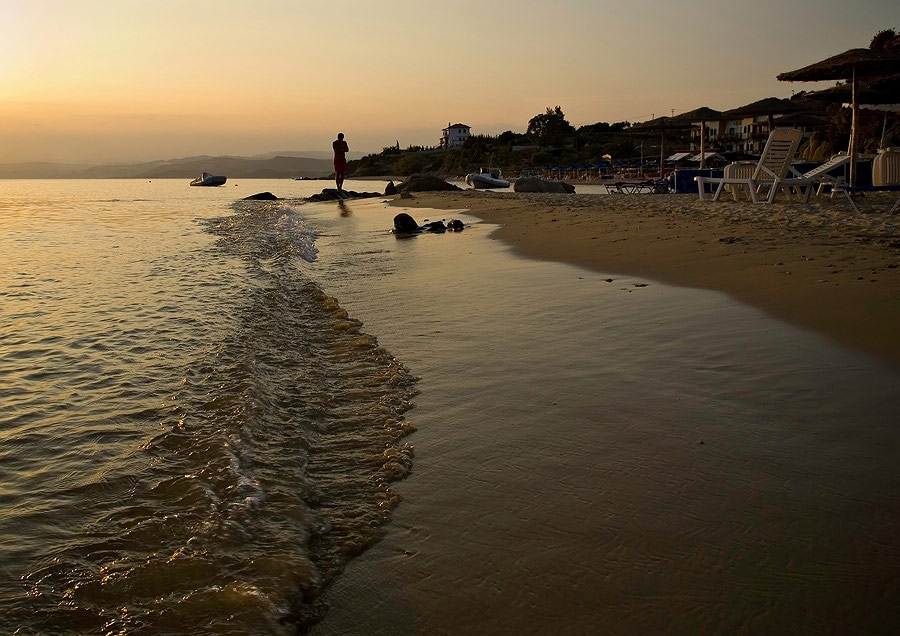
<point>454,135</point>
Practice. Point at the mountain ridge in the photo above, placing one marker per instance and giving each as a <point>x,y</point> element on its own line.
<point>279,164</point>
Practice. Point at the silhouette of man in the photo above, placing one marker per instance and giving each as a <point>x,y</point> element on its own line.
<point>340,161</point>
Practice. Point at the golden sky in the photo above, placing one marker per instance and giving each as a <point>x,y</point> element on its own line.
<point>110,80</point>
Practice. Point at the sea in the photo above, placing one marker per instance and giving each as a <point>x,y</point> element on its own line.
<point>221,416</point>
<point>196,436</point>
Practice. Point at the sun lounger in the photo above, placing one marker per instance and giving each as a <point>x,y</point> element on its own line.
<point>849,191</point>
<point>818,176</point>
<point>659,186</point>
<point>771,169</point>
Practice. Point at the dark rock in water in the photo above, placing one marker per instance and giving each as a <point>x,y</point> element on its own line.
<point>455,225</point>
<point>425,183</point>
<point>261,196</point>
<point>405,224</point>
<point>435,226</point>
<point>390,189</point>
<point>536,184</point>
<point>331,194</point>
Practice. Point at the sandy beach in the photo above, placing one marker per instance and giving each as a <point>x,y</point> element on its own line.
<point>624,457</point>
<point>819,266</point>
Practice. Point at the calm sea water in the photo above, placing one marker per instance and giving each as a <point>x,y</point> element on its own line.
<point>194,436</point>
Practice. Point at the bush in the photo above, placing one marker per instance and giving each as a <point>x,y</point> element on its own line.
<point>410,164</point>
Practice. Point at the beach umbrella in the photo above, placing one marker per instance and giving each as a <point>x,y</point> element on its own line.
<point>703,115</point>
<point>769,107</point>
<point>662,124</point>
<point>855,66</point>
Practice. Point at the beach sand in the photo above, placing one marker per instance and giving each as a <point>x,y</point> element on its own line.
<point>819,266</point>
<point>622,457</point>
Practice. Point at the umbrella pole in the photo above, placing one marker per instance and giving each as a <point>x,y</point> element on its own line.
<point>702,145</point>
<point>853,126</point>
<point>662,153</point>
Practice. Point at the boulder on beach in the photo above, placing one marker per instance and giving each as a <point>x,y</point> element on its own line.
<point>390,189</point>
<point>261,196</point>
<point>331,194</point>
<point>405,224</point>
<point>425,183</point>
<point>455,225</point>
<point>536,184</point>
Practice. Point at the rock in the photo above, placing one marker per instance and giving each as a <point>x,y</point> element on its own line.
<point>331,194</point>
<point>425,183</point>
<point>455,225</point>
<point>435,226</point>
<point>405,224</point>
<point>406,195</point>
<point>390,189</point>
<point>261,196</point>
<point>536,184</point>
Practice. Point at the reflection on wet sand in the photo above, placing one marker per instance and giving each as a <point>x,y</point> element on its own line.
<point>607,454</point>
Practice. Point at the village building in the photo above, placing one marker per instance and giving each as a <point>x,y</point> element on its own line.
<point>454,135</point>
<point>746,129</point>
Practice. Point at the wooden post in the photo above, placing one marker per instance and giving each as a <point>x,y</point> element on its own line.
<point>853,126</point>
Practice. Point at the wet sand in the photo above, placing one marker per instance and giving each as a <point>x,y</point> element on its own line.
<point>619,457</point>
<point>819,266</point>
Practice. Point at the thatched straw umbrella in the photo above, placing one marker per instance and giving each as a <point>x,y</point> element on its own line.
<point>702,115</point>
<point>854,65</point>
<point>770,106</point>
<point>662,124</point>
<point>843,94</point>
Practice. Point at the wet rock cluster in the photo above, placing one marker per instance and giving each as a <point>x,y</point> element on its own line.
<point>331,194</point>
<point>404,224</point>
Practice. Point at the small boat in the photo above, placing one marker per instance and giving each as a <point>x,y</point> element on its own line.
<point>208,180</point>
<point>487,178</point>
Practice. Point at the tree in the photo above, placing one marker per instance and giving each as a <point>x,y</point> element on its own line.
<point>884,41</point>
<point>550,128</point>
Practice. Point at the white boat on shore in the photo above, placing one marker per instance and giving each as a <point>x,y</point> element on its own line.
<point>487,178</point>
<point>208,180</point>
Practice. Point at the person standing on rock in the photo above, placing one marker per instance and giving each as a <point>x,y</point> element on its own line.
<point>340,162</point>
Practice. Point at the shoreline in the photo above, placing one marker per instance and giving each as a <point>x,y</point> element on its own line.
<point>818,266</point>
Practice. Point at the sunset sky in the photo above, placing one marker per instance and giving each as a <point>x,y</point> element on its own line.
<point>97,80</point>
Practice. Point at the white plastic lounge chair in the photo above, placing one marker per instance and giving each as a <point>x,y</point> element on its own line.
<point>739,170</point>
<point>771,169</point>
<point>849,191</point>
<point>818,176</point>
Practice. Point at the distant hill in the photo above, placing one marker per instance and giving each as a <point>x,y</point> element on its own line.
<point>39,170</point>
<point>239,168</point>
<point>310,154</point>
<point>262,167</point>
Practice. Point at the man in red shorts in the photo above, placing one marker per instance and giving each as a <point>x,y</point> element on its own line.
<point>340,161</point>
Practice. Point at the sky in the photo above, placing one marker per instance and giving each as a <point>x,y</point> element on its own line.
<point>87,81</point>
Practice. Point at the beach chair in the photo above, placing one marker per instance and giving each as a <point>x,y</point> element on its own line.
<point>849,191</point>
<point>770,170</point>
<point>817,178</point>
<point>739,170</point>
